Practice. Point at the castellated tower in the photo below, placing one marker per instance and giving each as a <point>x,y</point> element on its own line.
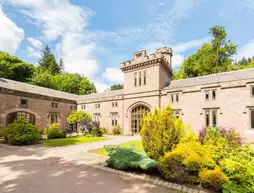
<point>147,72</point>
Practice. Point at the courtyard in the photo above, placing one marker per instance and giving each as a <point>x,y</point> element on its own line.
<point>64,169</point>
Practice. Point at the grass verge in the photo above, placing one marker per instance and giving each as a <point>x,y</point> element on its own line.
<point>138,145</point>
<point>71,141</point>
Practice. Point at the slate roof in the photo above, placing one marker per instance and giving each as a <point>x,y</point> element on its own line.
<point>102,95</point>
<point>29,88</point>
<point>213,79</point>
<point>175,84</point>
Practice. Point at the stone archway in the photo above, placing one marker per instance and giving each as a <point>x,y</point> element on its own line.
<point>137,113</point>
<point>11,117</point>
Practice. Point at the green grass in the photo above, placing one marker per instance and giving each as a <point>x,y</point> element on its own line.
<point>138,145</point>
<point>71,141</point>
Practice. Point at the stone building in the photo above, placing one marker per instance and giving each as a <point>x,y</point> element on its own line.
<point>224,99</point>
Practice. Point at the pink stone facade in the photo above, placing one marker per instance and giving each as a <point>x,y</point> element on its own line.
<point>224,99</point>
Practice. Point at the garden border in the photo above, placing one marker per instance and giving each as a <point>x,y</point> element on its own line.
<point>163,183</point>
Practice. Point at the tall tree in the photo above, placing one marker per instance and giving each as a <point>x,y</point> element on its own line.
<point>213,57</point>
<point>61,65</point>
<point>12,67</point>
<point>48,61</point>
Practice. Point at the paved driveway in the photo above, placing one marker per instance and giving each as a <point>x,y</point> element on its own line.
<point>37,169</point>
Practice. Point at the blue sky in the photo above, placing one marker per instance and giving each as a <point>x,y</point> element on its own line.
<point>95,36</point>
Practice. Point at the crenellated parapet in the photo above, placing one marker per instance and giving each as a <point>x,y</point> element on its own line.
<point>162,56</point>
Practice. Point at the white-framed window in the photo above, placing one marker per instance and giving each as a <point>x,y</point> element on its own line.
<point>97,117</point>
<point>114,118</point>
<point>211,117</point>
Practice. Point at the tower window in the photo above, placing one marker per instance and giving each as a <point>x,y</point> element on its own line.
<point>139,74</point>
<point>135,79</point>
<point>144,77</point>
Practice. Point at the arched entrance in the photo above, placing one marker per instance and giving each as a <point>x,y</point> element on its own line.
<point>20,114</point>
<point>136,116</point>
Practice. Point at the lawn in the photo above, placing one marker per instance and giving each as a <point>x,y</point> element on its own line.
<point>138,145</point>
<point>71,141</point>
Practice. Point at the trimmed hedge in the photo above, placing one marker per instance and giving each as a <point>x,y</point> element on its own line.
<point>128,158</point>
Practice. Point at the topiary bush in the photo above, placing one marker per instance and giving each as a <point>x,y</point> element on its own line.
<point>213,179</point>
<point>128,158</point>
<point>184,163</point>
<point>117,130</point>
<point>54,132</point>
<point>160,132</point>
<point>21,132</point>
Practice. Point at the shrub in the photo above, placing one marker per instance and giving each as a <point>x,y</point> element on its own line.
<point>239,167</point>
<point>83,118</point>
<point>160,132</point>
<point>21,132</point>
<point>128,158</point>
<point>213,179</point>
<point>232,187</point>
<point>96,132</point>
<point>54,132</point>
<point>117,130</point>
<point>184,162</point>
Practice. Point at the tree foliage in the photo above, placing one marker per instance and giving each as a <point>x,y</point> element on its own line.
<point>78,116</point>
<point>116,87</point>
<point>160,132</point>
<point>212,57</point>
<point>12,67</point>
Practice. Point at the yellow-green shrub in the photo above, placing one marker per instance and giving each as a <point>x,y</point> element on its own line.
<point>213,179</point>
<point>160,132</point>
<point>185,161</point>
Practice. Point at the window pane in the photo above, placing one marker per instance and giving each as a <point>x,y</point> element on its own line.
<point>144,77</point>
<point>214,94</point>
<point>177,98</point>
<point>252,91</point>
<point>139,78</point>
<point>135,79</point>
<point>214,114</point>
<point>207,95</point>
<point>252,119</point>
<point>172,98</point>
<point>207,118</point>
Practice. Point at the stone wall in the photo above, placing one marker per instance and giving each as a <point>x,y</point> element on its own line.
<point>40,107</point>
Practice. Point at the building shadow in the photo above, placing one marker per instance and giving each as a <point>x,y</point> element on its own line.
<point>53,175</point>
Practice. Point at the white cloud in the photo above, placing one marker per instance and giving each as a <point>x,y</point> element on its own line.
<point>11,35</point>
<point>113,74</point>
<point>245,51</point>
<point>34,42</point>
<point>188,45</point>
<point>55,17</point>
<point>101,87</point>
<point>177,60</point>
<point>247,4</point>
<point>33,53</point>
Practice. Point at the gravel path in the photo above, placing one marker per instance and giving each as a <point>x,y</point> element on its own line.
<point>38,169</point>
